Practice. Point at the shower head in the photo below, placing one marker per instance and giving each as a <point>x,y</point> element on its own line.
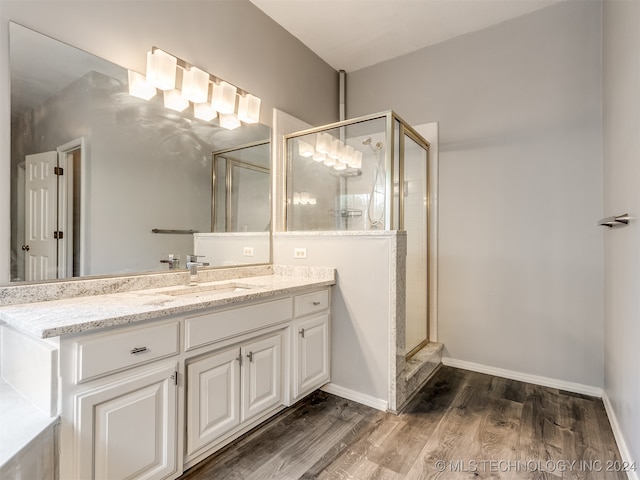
<point>378,146</point>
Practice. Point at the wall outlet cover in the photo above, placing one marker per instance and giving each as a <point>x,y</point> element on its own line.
<point>299,253</point>
<point>247,251</point>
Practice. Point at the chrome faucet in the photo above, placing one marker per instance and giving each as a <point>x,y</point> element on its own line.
<point>192,266</point>
<point>173,261</point>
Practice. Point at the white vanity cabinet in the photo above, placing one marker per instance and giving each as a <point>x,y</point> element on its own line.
<point>120,403</point>
<point>147,400</point>
<point>230,387</point>
<point>311,357</point>
<point>129,427</point>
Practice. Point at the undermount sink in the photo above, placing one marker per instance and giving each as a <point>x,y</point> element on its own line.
<point>196,291</point>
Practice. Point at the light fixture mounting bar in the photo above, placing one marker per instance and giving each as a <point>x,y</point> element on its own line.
<point>184,65</point>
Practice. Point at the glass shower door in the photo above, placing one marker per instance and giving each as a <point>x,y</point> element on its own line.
<point>416,198</point>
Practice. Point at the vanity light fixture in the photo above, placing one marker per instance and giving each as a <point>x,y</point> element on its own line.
<point>305,149</point>
<point>229,121</point>
<point>161,73</point>
<point>204,111</point>
<point>334,152</point>
<point>303,198</point>
<point>356,159</point>
<point>249,108</point>
<point>324,142</point>
<point>223,97</point>
<point>139,87</point>
<point>175,101</point>
<point>161,69</point>
<point>195,85</point>
<point>331,151</point>
<point>319,157</point>
<point>340,166</point>
<point>329,162</point>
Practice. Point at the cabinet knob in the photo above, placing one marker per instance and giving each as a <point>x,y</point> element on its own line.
<point>301,332</point>
<point>138,350</point>
<point>250,356</point>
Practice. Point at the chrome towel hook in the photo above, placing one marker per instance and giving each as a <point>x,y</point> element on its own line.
<point>617,221</point>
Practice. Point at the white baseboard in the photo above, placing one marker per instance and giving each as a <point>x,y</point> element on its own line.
<point>362,398</point>
<point>617,433</point>
<point>525,377</point>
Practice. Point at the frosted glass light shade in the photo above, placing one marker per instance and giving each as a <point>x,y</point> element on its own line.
<point>319,157</point>
<point>161,69</point>
<point>229,121</point>
<point>223,97</point>
<point>329,162</point>
<point>340,166</point>
<point>174,100</point>
<point>195,85</point>
<point>356,160</point>
<point>139,87</point>
<point>304,149</point>
<point>335,149</point>
<point>324,142</point>
<point>204,111</point>
<point>249,108</point>
<point>347,154</point>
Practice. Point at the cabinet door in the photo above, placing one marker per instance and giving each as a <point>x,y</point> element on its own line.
<point>128,427</point>
<point>311,354</point>
<point>213,402</point>
<point>261,376</point>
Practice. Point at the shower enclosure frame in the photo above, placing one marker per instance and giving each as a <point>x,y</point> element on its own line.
<point>391,223</point>
<point>228,181</point>
<point>395,219</point>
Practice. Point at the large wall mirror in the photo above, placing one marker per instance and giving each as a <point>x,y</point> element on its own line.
<point>103,183</point>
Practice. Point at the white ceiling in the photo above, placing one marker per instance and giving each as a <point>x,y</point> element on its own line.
<point>352,34</point>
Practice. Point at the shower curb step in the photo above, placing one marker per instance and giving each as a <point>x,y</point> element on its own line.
<point>428,357</point>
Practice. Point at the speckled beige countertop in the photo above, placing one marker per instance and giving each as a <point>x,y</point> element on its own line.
<point>52,318</point>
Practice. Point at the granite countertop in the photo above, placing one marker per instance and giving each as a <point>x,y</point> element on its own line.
<point>84,313</point>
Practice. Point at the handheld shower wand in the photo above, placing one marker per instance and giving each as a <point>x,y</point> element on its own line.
<point>376,221</point>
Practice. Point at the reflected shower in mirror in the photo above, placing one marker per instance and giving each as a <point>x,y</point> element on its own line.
<point>95,171</point>
<point>241,217</point>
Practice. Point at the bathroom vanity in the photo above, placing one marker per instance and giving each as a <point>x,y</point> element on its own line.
<point>153,381</point>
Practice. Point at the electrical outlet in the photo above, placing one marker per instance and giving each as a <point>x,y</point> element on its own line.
<point>247,251</point>
<point>299,253</point>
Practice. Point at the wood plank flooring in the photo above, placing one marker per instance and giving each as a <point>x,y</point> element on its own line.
<point>461,425</point>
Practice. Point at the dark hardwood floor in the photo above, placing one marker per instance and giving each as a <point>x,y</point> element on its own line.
<point>461,425</point>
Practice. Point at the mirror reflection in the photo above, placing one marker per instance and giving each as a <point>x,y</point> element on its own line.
<point>105,183</point>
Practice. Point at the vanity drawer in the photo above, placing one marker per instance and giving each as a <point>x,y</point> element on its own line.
<point>212,327</point>
<point>312,302</point>
<point>111,352</point>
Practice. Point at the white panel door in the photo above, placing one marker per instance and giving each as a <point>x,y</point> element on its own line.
<point>261,376</point>
<point>128,428</point>
<point>213,401</point>
<point>311,354</point>
<point>41,216</point>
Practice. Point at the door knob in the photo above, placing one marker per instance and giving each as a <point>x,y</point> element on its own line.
<point>25,248</point>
